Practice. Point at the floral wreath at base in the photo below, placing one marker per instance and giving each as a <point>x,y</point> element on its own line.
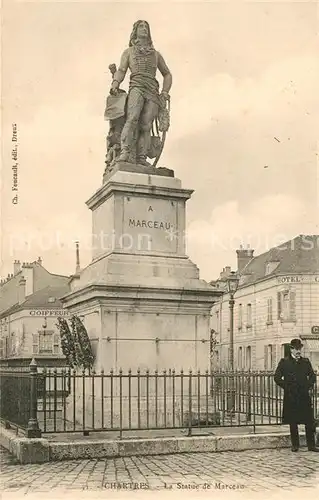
<point>75,343</point>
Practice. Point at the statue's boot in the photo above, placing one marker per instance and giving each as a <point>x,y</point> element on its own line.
<point>141,160</point>
<point>124,155</point>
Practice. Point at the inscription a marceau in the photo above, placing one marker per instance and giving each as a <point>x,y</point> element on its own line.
<point>151,224</point>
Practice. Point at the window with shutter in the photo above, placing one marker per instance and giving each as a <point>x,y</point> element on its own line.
<point>240,358</point>
<point>240,316</point>
<point>35,343</point>
<point>45,342</point>
<point>249,315</point>
<point>285,305</point>
<point>56,344</point>
<point>269,310</point>
<point>274,357</point>
<point>265,357</point>
<point>279,305</point>
<point>1,348</point>
<point>248,357</point>
<point>269,357</point>
<point>292,304</point>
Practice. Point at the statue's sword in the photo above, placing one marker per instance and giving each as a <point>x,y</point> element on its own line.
<point>163,138</point>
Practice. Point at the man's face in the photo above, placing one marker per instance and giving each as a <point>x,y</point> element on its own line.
<point>142,29</point>
<point>296,352</point>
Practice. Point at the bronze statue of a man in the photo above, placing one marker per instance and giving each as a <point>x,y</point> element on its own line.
<point>144,99</point>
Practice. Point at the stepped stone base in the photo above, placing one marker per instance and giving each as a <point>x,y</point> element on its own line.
<point>137,168</point>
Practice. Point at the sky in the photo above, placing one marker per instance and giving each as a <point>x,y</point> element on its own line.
<point>244,122</point>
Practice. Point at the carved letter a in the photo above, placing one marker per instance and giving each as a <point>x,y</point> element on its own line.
<point>150,209</point>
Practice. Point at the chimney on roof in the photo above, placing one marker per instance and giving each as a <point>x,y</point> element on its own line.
<point>16,267</point>
<point>225,273</point>
<point>39,261</point>
<point>22,290</point>
<point>244,255</point>
<point>77,252</point>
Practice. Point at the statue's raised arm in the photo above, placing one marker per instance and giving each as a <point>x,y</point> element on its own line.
<point>141,117</point>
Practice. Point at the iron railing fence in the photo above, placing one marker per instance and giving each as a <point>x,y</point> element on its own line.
<point>15,398</point>
<point>60,400</point>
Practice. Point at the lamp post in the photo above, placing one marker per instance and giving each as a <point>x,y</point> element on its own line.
<point>45,324</point>
<point>232,284</point>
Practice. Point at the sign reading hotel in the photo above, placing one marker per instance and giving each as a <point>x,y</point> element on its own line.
<point>48,312</point>
<point>303,278</point>
<point>150,224</point>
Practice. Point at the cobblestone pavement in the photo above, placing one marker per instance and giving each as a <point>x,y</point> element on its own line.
<point>241,472</point>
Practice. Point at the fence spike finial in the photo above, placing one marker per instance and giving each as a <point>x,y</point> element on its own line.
<point>33,362</point>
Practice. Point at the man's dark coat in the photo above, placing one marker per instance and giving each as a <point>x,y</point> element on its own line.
<point>296,378</point>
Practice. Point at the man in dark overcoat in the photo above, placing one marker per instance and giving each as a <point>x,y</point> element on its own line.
<point>295,375</point>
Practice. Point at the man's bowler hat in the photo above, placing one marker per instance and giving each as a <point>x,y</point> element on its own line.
<point>296,344</point>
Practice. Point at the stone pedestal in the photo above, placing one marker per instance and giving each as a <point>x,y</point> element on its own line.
<point>141,400</point>
<point>141,298</point>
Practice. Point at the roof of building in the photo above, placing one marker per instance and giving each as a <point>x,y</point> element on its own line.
<point>40,299</point>
<point>29,265</point>
<point>37,279</point>
<point>10,310</point>
<point>297,256</point>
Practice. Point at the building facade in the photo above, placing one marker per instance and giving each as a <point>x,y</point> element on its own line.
<point>29,307</point>
<point>277,300</point>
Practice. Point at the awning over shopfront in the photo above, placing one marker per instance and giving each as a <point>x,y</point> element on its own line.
<point>312,345</point>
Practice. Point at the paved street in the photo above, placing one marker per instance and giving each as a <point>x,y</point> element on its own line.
<point>241,472</point>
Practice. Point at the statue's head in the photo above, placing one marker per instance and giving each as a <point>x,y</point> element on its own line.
<point>141,29</point>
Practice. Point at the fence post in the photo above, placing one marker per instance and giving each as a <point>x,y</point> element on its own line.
<point>248,400</point>
<point>190,405</point>
<point>33,430</point>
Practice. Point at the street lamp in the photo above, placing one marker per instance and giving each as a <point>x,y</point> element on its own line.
<point>232,284</point>
<point>45,324</point>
